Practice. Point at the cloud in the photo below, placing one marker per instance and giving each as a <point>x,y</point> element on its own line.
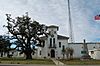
<point>56,12</point>
<point>84,25</point>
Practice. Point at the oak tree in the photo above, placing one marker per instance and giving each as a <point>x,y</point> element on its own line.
<point>27,32</point>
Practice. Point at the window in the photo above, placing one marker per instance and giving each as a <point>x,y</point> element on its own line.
<point>50,42</point>
<point>40,52</point>
<point>92,52</point>
<point>43,43</point>
<point>12,52</point>
<point>55,32</point>
<point>63,47</point>
<point>59,44</point>
<point>53,40</point>
<point>48,54</point>
<point>94,47</point>
<point>49,32</point>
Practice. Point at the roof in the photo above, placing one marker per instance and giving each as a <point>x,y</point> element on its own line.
<point>59,37</point>
<point>86,43</point>
<point>53,26</point>
<point>62,37</point>
<point>43,37</point>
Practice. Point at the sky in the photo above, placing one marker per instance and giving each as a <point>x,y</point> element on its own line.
<point>55,12</point>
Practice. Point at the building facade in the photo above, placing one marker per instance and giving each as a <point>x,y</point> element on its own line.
<point>55,43</point>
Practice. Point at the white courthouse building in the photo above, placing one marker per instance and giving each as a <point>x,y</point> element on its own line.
<point>54,43</point>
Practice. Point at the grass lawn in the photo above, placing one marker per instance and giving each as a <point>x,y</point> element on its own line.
<point>80,62</point>
<point>23,61</point>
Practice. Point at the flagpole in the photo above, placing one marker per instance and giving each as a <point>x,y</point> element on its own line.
<point>71,38</point>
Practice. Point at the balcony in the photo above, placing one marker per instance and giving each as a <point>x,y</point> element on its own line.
<point>52,46</point>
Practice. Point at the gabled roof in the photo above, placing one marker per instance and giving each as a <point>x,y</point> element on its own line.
<point>60,37</point>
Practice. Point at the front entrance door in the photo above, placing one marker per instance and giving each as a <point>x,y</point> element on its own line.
<point>52,53</point>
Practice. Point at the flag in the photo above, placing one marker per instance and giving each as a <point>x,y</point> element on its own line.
<point>97,17</point>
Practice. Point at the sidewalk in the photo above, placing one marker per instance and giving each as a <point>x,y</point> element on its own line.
<point>58,63</point>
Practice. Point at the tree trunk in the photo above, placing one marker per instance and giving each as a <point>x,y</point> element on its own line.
<point>8,54</point>
<point>1,54</point>
<point>28,54</point>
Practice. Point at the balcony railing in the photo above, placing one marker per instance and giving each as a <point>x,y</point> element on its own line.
<point>53,46</point>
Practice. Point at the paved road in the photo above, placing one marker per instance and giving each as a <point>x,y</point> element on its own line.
<point>42,65</point>
<point>82,65</point>
<point>24,65</point>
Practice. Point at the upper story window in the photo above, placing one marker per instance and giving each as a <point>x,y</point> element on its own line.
<point>55,32</point>
<point>53,40</point>
<point>49,32</point>
<point>59,44</point>
<point>50,41</point>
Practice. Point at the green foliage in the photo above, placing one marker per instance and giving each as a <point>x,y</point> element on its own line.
<point>4,44</point>
<point>68,52</point>
<point>27,32</point>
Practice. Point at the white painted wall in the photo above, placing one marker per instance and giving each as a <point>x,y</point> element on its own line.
<point>95,54</point>
<point>17,54</point>
<point>77,50</point>
<point>44,49</point>
<point>78,47</point>
<point>59,49</point>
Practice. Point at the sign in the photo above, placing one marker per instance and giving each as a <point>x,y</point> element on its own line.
<point>83,52</point>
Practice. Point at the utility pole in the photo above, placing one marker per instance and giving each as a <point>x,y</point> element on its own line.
<point>71,37</point>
